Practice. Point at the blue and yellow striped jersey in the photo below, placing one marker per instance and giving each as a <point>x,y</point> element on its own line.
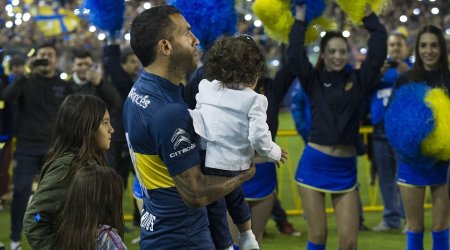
<point>161,140</point>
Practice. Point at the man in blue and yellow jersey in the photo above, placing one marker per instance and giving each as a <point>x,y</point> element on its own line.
<point>161,136</point>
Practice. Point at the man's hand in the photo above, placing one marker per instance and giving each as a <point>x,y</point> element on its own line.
<point>402,67</point>
<point>385,67</point>
<point>94,75</point>
<point>36,65</point>
<point>197,189</point>
<point>300,12</point>
<point>250,172</point>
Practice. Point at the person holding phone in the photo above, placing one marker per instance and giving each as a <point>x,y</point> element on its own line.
<point>87,79</point>
<point>38,97</point>
<point>383,156</point>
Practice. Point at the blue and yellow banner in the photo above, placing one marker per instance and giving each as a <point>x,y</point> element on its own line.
<point>53,21</point>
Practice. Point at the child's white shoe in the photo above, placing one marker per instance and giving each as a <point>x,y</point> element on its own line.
<point>247,241</point>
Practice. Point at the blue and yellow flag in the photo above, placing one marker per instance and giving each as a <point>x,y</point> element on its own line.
<point>54,21</point>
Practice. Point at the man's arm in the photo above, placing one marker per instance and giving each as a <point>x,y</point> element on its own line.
<point>109,94</point>
<point>197,189</point>
<point>113,69</point>
<point>12,92</point>
<point>172,130</point>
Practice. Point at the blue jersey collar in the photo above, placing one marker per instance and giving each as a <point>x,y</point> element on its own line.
<point>163,82</point>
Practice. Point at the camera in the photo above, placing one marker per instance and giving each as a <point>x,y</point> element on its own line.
<point>40,62</point>
<point>392,63</point>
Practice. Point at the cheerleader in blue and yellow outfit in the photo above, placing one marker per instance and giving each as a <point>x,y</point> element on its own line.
<point>335,91</point>
<point>430,68</point>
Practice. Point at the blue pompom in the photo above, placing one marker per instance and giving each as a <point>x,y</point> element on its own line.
<point>106,15</point>
<point>407,122</point>
<point>314,9</point>
<point>209,19</point>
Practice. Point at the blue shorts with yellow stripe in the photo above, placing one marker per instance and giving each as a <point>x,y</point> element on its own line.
<point>422,176</point>
<point>262,184</point>
<point>326,173</point>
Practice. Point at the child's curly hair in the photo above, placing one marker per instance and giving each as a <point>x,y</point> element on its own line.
<point>235,61</point>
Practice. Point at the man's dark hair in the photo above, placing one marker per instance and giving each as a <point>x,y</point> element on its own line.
<point>234,61</point>
<point>46,45</point>
<point>148,28</point>
<point>81,53</point>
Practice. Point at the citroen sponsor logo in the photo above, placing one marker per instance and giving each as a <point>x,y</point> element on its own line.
<point>181,141</point>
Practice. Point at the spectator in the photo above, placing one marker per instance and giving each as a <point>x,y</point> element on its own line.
<point>38,97</point>
<point>82,135</point>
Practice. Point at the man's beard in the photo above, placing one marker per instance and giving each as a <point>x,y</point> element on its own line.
<point>182,62</point>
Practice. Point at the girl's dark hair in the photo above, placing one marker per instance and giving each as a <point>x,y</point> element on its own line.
<point>418,69</point>
<point>234,61</point>
<point>323,43</point>
<point>77,122</point>
<point>94,199</point>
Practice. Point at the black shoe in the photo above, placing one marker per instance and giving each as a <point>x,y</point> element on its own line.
<point>287,228</point>
<point>363,227</point>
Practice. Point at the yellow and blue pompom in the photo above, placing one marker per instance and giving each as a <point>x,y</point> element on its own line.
<point>276,17</point>
<point>278,20</point>
<point>378,5</point>
<point>355,8</point>
<point>417,122</point>
<point>106,15</point>
<point>437,144</point>
<point>316,26</point>
<point>314,8</point>
<point>209,19</point>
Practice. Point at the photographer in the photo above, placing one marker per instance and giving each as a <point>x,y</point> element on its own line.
<point>38,97</point>
<point>87,79</point>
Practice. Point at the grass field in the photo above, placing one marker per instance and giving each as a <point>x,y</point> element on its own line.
<point>368,240</point>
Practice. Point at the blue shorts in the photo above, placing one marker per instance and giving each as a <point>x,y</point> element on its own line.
<point>262,184</point>
<point>422,176</point>
<point>326,173</point>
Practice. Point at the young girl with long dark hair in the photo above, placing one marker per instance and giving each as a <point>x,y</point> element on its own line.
<point>82,135</point>
<point>92,216</point>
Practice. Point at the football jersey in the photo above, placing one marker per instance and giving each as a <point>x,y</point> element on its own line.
<point>161,140</point>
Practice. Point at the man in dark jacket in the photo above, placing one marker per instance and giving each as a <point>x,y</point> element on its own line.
<point>87,79</point>
<point>38,97</point>
<point>122,69</point>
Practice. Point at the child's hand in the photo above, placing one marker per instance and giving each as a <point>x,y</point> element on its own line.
<point>283,158</point>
